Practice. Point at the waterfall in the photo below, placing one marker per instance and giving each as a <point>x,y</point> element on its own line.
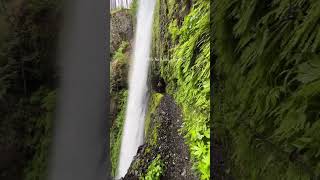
<point>120,4</point>
<point>133,132</point>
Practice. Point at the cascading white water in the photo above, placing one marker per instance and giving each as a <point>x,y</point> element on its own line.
<point>133,132</point>
<point>120,4</point>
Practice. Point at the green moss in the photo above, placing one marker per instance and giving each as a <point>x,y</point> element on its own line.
<point>152,136</point>
<point>153,104</point>
<point>138,163</point>
<point>156,31</point>
<point>116,10</point>
<point>116,131</point>
<point>174,30</point>
<point>148,150</point>
<point>172,4</point>
<point>119,68</point>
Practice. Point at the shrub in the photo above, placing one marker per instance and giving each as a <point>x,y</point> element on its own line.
<point>155,169</point>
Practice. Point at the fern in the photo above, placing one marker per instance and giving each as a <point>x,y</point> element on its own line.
<point>268,72</point>
<point>187,75</point>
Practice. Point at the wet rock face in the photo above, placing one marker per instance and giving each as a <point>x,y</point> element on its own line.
<point>119,76</point>
<point>158,84</point>
<point>121,28</point>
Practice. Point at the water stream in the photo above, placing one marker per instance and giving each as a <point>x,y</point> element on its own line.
<point>133,132</point>
<point>120,4</point>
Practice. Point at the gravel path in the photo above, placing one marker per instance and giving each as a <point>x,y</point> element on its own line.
<point>175,151</point>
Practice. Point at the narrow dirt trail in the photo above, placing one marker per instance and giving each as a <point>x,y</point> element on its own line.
<point>172,145</point>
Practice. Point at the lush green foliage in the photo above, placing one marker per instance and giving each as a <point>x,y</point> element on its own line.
<point>156,32</point>
<point>120,53</point>
<point>116,130</point>
<point>118,91</point>
<point>153,104</point>
<point>188,77</point>
<point>119,68</point>
<point>27,85</point>
<point>268,76</point>
<point>152,136</point>
<point>155,169</point>
<point>27,53</point>
<point>40,136</point>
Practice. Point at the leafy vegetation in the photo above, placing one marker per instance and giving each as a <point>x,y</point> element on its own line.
<point>187,75</point>
<point>119,93</point>
<point>155,169</point>
<point>120,53</point>
<point>116,131</point>
<point>119,85</point>
<point>153,135</point>
<point>27,85</point>
<point>268,87</point>
<point>41,135</point>
<point>119,68</point>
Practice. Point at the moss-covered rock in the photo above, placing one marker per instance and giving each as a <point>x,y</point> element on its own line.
<point>121,28</point>
<point>119,75</point>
